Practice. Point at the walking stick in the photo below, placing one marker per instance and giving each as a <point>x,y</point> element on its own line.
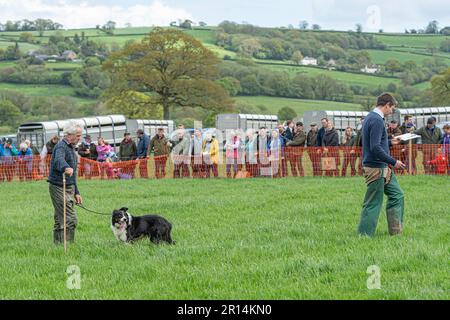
<point>410,157</point>
<point>64,201</point>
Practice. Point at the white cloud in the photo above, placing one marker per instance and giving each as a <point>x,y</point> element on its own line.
<point>87,14</point>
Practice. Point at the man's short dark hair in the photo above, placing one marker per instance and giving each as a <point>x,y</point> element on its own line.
<point>394,122</point>
<point>263,128</point>
<point>288,122</point>
<point>140,131</point>
<point>386,98</point>
<point>324,119</point>
<point>407,117</point>
<point>299,124</point>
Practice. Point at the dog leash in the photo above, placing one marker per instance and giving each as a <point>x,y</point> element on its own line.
<point>99,213</point>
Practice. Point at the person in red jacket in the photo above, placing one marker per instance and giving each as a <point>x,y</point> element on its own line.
<point>440,162</point>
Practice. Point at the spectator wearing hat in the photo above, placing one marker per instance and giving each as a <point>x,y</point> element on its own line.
<point>142,152</point>
<point>88,153</point>
<point>430,135</point>
<point>128,148</point>
<point>311,143</point>
<point>295,151</point>
<point>159,145</point>
<point>7,159</point>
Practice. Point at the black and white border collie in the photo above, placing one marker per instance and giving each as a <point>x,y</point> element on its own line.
<point>128,228</point>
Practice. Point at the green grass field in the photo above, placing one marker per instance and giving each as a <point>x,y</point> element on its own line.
<point>381,56</point>
<point>236,239</point>
<point>413,41</point>
<point>45,91</point>
<point>344,77</point>
<point>273,104</point>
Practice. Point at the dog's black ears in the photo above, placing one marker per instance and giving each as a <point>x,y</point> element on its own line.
<point>124,209</point>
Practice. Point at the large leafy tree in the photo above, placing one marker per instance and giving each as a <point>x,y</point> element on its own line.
<point>441,88</point>
<point>173,68</point>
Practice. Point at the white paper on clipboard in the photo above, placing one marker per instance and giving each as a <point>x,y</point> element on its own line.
<point>407,136</point>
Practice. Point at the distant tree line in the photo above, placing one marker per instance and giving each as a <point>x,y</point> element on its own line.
<point>247,78</point>
<point>280,44</point>
<point>431,28</point>
<point>40,25</point>
<point>15,108</point>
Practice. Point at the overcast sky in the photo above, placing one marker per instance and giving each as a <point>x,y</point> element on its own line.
<point>389,15</point>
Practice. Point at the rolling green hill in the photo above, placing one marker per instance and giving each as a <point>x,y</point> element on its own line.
<point>401,47</point>
<point>273,104</point>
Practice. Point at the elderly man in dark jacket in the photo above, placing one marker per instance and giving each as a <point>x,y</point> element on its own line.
<point>430,135</point>
<point>87,151</point>
<point>64,161</point>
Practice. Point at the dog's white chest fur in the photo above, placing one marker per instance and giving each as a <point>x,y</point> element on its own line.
<point>120,234</point>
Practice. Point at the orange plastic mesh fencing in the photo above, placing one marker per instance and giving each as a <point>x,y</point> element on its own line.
<point>282,162</point>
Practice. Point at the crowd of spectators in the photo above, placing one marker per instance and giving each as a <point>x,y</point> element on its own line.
<point>255,153</point>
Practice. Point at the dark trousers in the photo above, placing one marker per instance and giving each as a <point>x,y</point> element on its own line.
<point>295,160</point>
<point>373,201</point>
<point>56,194</point>
<point>349,159</point>
<point>143,169</point>
<point>211,167</point>
<point>181,170</point>
<point>160,166</point>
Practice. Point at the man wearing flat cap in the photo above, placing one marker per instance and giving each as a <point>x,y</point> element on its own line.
<point>431,135</point>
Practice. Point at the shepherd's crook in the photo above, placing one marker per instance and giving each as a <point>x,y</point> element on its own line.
<point>64,196</point>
